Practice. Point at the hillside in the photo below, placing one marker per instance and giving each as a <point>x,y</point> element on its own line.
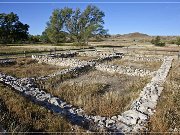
<point>135,34</point>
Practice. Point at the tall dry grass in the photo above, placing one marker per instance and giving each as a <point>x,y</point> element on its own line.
<point>18,114</point>
<point>97,98</point>
<point>152,66</point>
<point>26,67</point>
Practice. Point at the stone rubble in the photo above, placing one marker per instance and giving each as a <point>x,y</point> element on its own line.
<point>60,55</point>
<point>7,61</point>
<point>71,62</point>
<point>75,65</point>
<point>131,120</point>
<point>97,53</point>
<point>143,58</point>
<point>109,56</point>
<point>89,53</point>
<point>124,70</point>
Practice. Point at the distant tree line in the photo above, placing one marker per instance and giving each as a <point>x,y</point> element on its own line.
<point>64,25</point>
<point>157,41</point>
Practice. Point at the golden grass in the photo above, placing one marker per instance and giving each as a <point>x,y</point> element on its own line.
<point>35,48</point>
<point>26,67</point>
<point>97,98</point>
<point>152,66</point>
<point>167,116</point>
<point>9,49</point>
<point>18,114</point>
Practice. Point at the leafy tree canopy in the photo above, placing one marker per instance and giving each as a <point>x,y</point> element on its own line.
<point>75,24</point>
<point>11,29</point>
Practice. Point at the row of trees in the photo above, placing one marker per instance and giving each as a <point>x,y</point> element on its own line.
<point>11,29</point>
<point>158,42</point>
<point>74,25</point>
<point>65,25</point>
<point>175,41</point>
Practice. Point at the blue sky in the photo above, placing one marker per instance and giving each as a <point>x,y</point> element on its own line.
<point>120,18</point>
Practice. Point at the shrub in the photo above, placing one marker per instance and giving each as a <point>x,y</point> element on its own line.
<point>172,42</point>
<point>152,41</point>
<point>160,44</point>
<point>178,41</point>
<point>157,41</point>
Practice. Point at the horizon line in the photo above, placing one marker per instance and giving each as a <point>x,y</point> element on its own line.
<point>121,34</point>
<point>89,2</point>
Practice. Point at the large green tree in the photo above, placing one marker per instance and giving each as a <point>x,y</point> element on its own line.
<point>11,29</point>
<point>44,38</point>
<point>91,23</point>
<point>75,24</point>
<point>34,38</point>
<point>55,26</point>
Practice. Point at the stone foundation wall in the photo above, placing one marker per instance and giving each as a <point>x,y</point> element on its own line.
<point>62,61</point>
<point>7,61</point>
<point>98,54</point>
<point>144,106</point>
<point>75,65</point>
<point>134,119</point>
<point>124,70</point>
<point>72,62</point>
<point>59,55</point>
<point>63,55</point>
<point>143,58</point>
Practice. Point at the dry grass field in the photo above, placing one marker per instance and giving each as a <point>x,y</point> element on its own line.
<point>98,93</point>
<point>152,66</point>
<point>18,114</point>
<point>19,50</point>
<point>27,67</point>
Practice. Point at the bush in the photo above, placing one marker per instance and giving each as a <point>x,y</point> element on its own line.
<point>172,42</point>
<point>160,44</point>
<point>178,41</point>
<point>152,41</point>
<point>157,41</point>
